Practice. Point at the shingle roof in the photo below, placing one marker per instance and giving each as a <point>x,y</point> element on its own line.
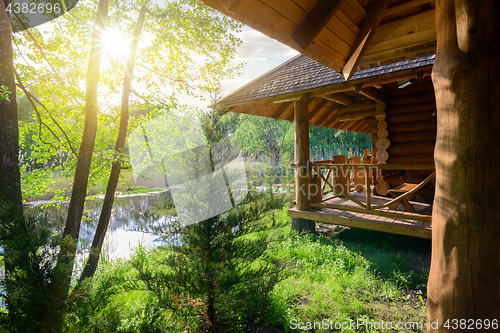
<point>302,73</point>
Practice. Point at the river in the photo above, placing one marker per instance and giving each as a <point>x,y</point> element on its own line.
<point>136,219</point>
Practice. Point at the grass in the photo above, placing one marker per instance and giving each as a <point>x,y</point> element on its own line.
<point>347,275</point>
<point>338,276</point>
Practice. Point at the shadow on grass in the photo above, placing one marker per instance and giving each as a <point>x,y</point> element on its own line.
<point>404,258</point>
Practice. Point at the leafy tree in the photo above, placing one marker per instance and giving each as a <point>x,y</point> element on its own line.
<point>178,31</point>
<point>219,270</point>
<point>260,136</point>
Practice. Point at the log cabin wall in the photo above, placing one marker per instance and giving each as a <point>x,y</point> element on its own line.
<point>412,127</point>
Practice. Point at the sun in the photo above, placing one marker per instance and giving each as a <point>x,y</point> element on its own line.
<point>116,45</point>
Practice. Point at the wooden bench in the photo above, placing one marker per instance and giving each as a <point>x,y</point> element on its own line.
<point>401,189</point>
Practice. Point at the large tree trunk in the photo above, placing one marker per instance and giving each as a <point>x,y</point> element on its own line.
<point>60,286</point>
<point>116,167</point>
<point>11,204</point>
<point>10,177</point>
<point>465,270</point>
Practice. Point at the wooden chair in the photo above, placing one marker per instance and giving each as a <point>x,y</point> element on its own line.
<point>401,189</point>
<point>358,176</point>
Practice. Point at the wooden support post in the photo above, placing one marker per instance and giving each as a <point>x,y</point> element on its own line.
<point>301,124</point>
<point>368,182</point>
<point>463,280</point>
<point>302,171</point>
<point>315,190</point>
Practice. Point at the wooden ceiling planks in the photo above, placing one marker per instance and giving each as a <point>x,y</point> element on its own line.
<point>280,19</point>
<point>314,110</point>
<point>315,22</point>
<point>404,26</point>
<point>231,5</point>
<point>283,107</point>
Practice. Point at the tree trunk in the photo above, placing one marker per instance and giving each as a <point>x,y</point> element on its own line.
<point>64,268</point>
<point>11,203</point>
<point>10,177</point>
<point>109,197</point>
<point>463,281</point>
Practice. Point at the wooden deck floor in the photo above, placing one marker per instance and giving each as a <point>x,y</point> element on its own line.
<point>406,226</point>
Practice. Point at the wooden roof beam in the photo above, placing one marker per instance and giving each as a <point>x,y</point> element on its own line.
<point>332,122</point>
<point>317,108</point>
<point>330,113</point>
<point>373,93</point>
<point>366,32</point>
<point>315,21</point>
<point>404,6</point>
<point>359,125</point>
<point>281,110</point>
<point>231,5</point>
<point>339,98</point>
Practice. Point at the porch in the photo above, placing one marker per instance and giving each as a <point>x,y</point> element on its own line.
<point>353,203</point>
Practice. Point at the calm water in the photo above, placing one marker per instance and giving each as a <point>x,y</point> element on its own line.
<point>135,220</point>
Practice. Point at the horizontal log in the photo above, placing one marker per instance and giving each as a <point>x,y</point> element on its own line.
<point>413,89</point>
<point>412,98</point>
<point>357,114</point>
<point>412,148</point>
<point>381,115</point>
<point>405,166</point>
<point>371,121</point>
<point>415,136</point>
<point>380,106</point>
<point>340,98</point>
<point>373,94</point>
<point>409,117</point>
<point>382,125</point>
<point>415,107</point>
<point>365,105</point>
<point>411,159</point>
<point>411,126</point>
<point>418,173</point>
<point>382,133</point>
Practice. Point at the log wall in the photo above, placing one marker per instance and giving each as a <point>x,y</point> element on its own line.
<point>412,127</point>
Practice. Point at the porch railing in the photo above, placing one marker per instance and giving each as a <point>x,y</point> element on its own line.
<point>327,171</point>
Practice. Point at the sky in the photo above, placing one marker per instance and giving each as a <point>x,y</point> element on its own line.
<point>260,53</point>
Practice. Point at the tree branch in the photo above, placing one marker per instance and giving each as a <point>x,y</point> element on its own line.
<point>30,97</point>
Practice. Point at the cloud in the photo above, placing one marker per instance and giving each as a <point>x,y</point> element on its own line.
<point>259,47</point>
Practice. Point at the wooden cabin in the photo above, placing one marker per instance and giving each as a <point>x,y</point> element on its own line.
<point>352,35</point>
<point>394,103</point>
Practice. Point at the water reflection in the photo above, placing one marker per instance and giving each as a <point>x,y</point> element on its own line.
<point>136,219</point>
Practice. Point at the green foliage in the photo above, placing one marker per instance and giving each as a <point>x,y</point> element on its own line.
<point>188,48</point>
<point>4,92</point>
<point>32,251</point>
<point>265,137</point>
<point>218,272</point>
